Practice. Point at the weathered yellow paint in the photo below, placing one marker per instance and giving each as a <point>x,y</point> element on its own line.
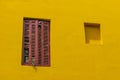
<point>71,57</point>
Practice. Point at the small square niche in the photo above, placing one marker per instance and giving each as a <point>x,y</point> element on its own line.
<point>92,33</point>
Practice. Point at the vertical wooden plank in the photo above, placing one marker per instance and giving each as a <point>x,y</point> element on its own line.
<point>33,42</point>
<point>39,43</point>
<point>49,43</point>
<point>25,46</point>
<point>30,54</point>
<point>36,42</point>
<point>42,43</point>
<point>23,42</point>
<point>46,44</point>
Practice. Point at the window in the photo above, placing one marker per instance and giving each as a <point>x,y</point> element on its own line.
<point>36,42</point>
<point>92,33</point>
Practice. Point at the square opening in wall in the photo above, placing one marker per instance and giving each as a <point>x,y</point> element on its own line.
<point>92,33</point>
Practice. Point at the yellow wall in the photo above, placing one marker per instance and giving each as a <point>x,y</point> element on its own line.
<point>71,57</point>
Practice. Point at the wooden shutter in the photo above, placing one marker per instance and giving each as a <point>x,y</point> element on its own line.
<point>36,42</point>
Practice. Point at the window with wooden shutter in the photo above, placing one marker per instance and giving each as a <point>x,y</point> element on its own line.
<point>36,42</point>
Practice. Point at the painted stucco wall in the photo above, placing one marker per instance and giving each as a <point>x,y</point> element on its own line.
<point>71,57</point>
